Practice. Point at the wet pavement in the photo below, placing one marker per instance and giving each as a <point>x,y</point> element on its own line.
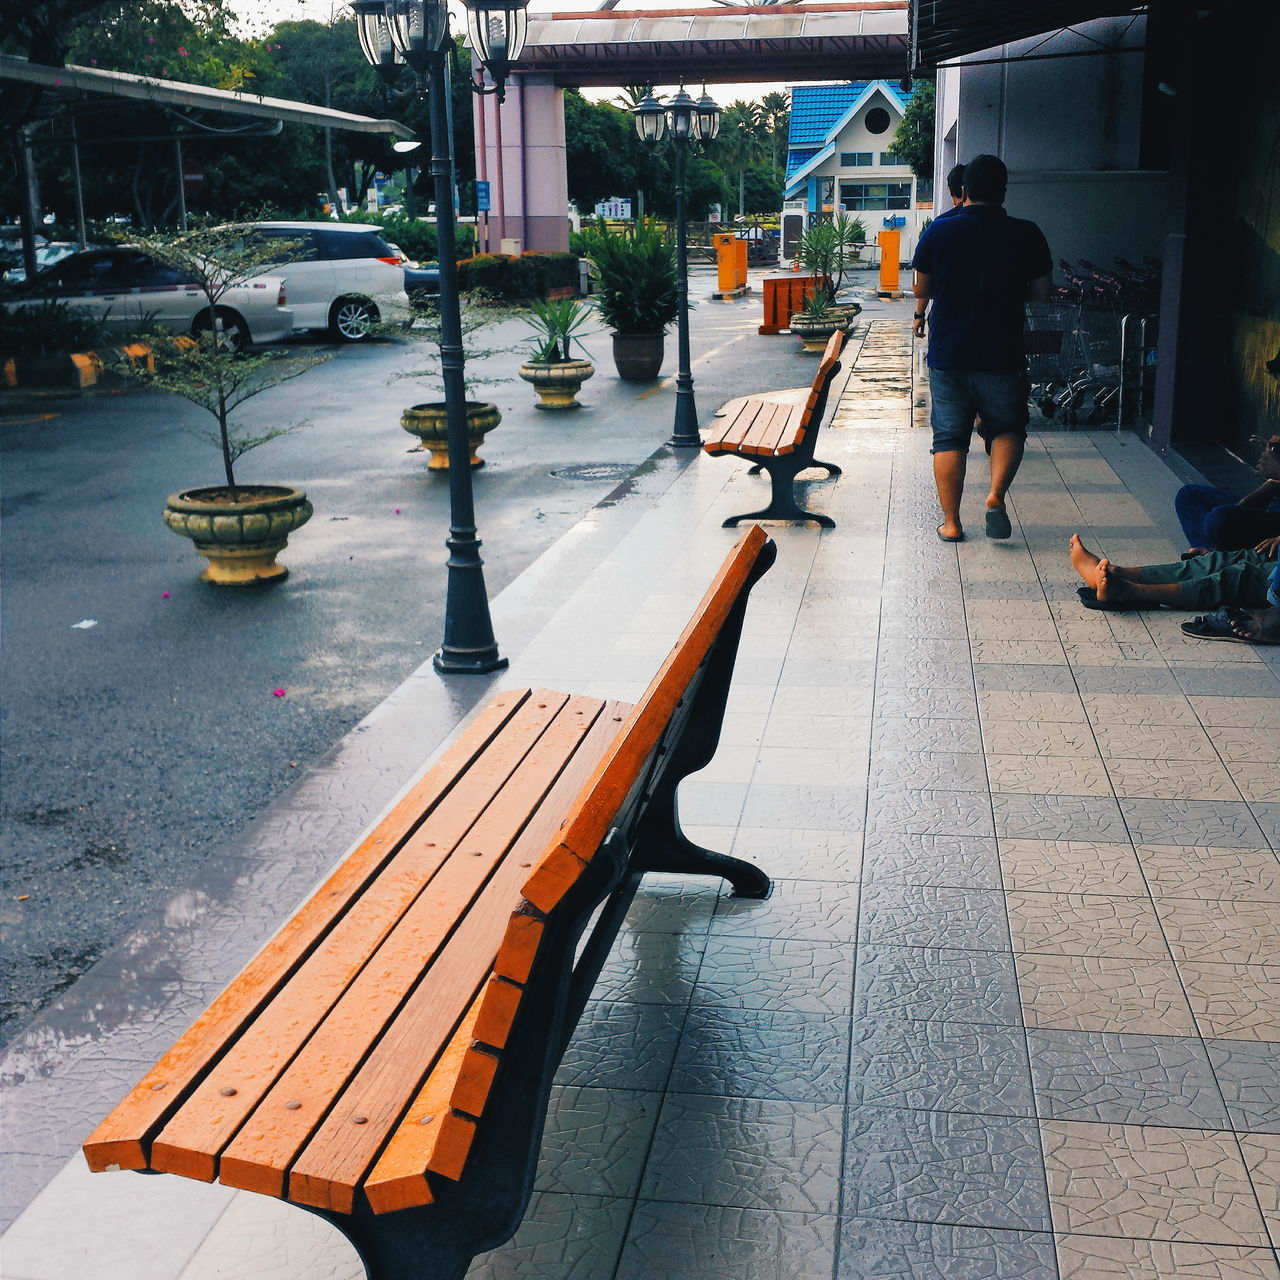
<point>1012,1010</point>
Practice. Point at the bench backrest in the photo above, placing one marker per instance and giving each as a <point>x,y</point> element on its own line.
<point>816,402</point>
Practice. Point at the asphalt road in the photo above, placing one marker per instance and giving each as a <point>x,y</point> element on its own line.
<point>135,746</point>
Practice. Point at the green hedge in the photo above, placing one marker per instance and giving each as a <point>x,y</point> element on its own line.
<point>531,275</point>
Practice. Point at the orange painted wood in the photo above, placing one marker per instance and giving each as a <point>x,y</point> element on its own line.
<point>328,1171</point>
<point>780,433</point>
<point>258,1157</point>
<point>602,797</point>
<point>519,944</point>
<point>399,1179</point>
<point>722,435</point>
<point>500,1000</point>
<point>123,1139</point>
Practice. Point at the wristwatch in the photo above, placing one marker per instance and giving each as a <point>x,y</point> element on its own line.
<point>920,315</point>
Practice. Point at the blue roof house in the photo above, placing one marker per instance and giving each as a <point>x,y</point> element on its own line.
<point>839,158</point>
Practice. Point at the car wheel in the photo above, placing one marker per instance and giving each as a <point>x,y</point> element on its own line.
<point>233,331</point>
<point>352,318</point>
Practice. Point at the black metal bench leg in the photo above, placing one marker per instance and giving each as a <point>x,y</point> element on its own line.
<point>782,501</point>
<point>667,848</point>
<point>413,1243</point>
<point>755,471</point>
<point>829,467</point>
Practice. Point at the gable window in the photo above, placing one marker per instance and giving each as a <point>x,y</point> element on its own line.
<point>856,159</point>
<point>877,120</point>
<point>875,195</point>
<point>887,157</point>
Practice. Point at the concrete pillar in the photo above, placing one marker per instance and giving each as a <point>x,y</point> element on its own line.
<point>520,152</point>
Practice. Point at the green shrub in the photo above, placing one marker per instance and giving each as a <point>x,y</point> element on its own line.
<point>635,272</point>
<point>531,275</point>
<point>49,328</point>
<point>555,270</point>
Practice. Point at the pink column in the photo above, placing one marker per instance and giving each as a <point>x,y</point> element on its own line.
<point>520,147</point>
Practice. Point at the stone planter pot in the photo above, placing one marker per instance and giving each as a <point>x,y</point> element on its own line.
<point>638,356</point>
<point>239,539</point>
<point>846,311</point>
<point>557,382</point>
<point>427,422</point>
<point>816,333</point>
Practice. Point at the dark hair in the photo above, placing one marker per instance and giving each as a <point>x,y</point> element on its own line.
<point>986,179</point>
<point>955,181</point>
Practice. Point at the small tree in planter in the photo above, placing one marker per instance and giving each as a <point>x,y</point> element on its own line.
<point>553,372</point>
<point>635,273</point>
<point>239,529</point>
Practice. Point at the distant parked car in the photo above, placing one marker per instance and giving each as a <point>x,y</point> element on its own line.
<point>125,288</point>
<point>422,282</point>
<point>336,274</point>
<point>46,256</point>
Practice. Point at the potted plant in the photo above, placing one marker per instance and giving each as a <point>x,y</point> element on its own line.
<point>429,420</point>
<point>553,372</point>
<point>824,250</point>
<point>239,528</point>
<point>635,274</point>
<point>817,321</point>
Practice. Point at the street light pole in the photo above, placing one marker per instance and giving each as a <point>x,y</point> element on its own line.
<point>394,33</point>
<point>683,118</point>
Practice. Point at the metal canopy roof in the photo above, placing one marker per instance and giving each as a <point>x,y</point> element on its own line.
<point>67,82</point>
<point>942,30</point>
<point>727,45</point>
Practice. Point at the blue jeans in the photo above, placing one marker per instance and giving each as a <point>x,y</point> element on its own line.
<point>960,395</point>
<point>1211,519</point>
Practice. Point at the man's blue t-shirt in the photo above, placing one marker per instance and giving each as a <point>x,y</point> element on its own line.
<point>980,262</point>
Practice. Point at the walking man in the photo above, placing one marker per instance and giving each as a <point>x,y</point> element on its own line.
<point>977,268</point>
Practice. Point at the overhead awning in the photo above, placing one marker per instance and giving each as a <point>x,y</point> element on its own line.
<point>943,30</point>
<point>66,82</point>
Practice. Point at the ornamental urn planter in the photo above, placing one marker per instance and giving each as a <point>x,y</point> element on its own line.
<point>240,539</point>
<point>427,422</point>
<point>815,332</point>
<point>638,356</point>
<point>557,382</point>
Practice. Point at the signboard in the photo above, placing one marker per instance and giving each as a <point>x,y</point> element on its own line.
<point>613,209</point>
<point>482,197</point>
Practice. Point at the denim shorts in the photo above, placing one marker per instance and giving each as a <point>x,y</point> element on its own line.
<point>960,395</point>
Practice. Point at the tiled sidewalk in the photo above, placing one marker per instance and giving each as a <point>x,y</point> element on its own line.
<point>1013,1009</point>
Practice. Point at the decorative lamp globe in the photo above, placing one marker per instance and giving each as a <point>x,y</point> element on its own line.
<point>680,112</point>
<point>651,119</point>
<point>706,122</point>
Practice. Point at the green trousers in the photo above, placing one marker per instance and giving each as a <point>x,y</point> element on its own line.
<point>1217,578</point>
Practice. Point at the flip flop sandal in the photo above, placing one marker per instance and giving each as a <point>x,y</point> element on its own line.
<point>942,537</point>
<point>1217,626</point>
<point>1089,598</point>
<point>998,525</point>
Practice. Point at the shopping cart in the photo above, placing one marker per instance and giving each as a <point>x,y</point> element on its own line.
<point>1049,341</point>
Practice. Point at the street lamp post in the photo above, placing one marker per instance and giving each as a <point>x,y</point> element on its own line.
<point>415,33</point>
<point>683,118</point>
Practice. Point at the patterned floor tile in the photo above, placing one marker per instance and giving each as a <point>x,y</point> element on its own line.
<point>1257,782</point>
<point>1234,1001</point>
<point>804,807</point>
<point>961,862</point>
<point>746,1153</point>
<point>1072,866</point>
<point>783,729</point>
<point>812,909</point>
<point>1262,1158</point>
<point>1193,822</point>
<point>928,983</point>
<point>1042,817</point>
<point>762,1054</point>
<point>1070,924</point>
<point>1171,779</point>
<point>1125,1079</point>
<point>933,703</point>
<point>595,1140</point>
<point>1183,871</point>
<point>1173,742</point>
<point>908,811</point>
<point>1072,775</point>
<point>1249,746</point>
<point>1220,930</point>
<point>925,916</point>
<point>826,766</point>
<point>940,1066</point>
<point>1039,738</point>
<point>673,904</point>
<point>1236,713</point>
<point>650,968</point>
<point>938,1166</point>
<point>881,1249</point>
<point>1115,1258</point>
<point>1150,1183</point>
<point>727,1243</point>
<point>1248,1072</point>
<point>1097,993</point>
<point>1139,709</point>
<point>621,1045</point>
<point>930,770</point>
<point>767,973</point>
<point>923,733</point>
<point>802,855</point>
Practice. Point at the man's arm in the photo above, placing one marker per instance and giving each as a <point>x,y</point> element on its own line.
<point>1040,289</point>
<point>1262,495</point>
<point>922,287</point>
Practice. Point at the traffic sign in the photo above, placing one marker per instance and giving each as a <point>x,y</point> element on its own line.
<point>482,197</point>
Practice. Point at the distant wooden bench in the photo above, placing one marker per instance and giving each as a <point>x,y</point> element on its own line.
<point>386,1060</point>
<point>780,439</point>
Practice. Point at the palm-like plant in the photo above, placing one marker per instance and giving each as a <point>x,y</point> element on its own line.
<point>558,324</point>
<point>635,271</point>
<point>740,143</point>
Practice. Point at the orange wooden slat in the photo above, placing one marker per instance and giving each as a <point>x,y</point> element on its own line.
<point>762,427</point>
<point>785,431</point>
<point>189,1144</point>
<point>723,437</point>
<point>258,1157</point>
<point>601,798</point>
<point>338,1157</point>
<point>122,1139</point>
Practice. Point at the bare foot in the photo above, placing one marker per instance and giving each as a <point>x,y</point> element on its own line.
<point>1261,627</point>
<point>950,531</point>
<point>1083,560</point>
<point>1108,583</point>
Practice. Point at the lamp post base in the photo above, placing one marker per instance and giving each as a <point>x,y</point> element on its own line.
<point>468,662</point>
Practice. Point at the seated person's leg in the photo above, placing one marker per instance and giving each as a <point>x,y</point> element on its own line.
<point>1192,503</point>
<point>1238,528</point>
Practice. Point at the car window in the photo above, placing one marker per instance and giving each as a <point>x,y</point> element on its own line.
<point>147,273</point>
<point>89,273</point>
<point>354,244</point>
<point>300,245</point>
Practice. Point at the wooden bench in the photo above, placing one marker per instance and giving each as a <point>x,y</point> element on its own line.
<point>385,1061</point>
<point>780,439</point>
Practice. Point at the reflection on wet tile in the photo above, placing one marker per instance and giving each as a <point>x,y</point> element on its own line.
<point>622,1045</point>
<point>652,968</point>
<point>812,909</point>
<point>748,1153</point>
<point>881,1249</point>
<point>1150,1183</point>
<point>938,1166</point>
<point>595,1140</point>
<point>1124,1079</point>
<point>767,973</point>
